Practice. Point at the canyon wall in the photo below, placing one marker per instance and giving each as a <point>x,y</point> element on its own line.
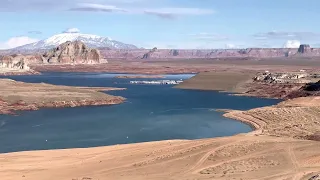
<point>155,53</point>
<point>78,53</point>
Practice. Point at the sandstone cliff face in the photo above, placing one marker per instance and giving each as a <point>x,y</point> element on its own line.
<point>155,53</point>
<point>64,53</point>
<point>18,62</point>
<point>73,53</point>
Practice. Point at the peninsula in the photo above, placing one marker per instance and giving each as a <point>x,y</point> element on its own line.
<point>17,96</point>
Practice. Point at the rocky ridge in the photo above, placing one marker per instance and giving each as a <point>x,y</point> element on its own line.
<point>156,53</point>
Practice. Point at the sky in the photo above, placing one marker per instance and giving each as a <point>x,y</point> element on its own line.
<point>188,24</point>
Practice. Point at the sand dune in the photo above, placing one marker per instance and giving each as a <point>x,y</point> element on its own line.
<point>238,157</point>
<point>276,150</point>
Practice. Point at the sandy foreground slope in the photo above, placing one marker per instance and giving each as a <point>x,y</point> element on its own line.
<point>278,149</point>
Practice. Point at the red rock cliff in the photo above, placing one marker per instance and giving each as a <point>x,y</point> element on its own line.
<point>73,53</point>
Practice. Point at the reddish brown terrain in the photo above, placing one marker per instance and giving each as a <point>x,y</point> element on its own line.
<point>155,53</point>
<point>284,85</point>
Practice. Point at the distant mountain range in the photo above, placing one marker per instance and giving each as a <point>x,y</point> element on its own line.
<point>93,41</point>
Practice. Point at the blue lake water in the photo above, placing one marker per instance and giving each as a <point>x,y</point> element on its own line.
<point>151,113</point>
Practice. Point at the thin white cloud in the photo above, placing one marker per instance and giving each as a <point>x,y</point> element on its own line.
<point>286,35</point>
<point>17,41</point>
<point>72,30</point>
<point>96,8</point>
<point>34,32</point>
<point>58,5</point>
<point>292,44</point>
<point>170,13</point>
<point>231,46</point>
<point>209,36</point>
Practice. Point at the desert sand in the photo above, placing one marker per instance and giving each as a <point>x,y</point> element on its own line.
<point>15,95</point>
<point>168,66</point>
<point>277,149</point>
<point>219,81</point>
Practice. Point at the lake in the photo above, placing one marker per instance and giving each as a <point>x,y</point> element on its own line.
<point>151,113</point>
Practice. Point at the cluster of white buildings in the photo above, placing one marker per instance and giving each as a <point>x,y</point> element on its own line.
<point>159,82</point>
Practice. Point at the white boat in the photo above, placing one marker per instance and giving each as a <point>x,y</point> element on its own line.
<point>159,82</point>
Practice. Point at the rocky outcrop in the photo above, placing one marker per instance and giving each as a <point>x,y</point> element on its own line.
<point>304,48</point>
<point>18,62</point>
<point>299,77</point>
<point>150,53</point>
<point>73,53</point>
<point>310,89</point>
<point>16,65</point>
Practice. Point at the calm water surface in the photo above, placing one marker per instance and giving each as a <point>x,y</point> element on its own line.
<point>152,112</point>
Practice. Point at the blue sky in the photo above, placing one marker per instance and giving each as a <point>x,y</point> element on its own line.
<point>166,23</point>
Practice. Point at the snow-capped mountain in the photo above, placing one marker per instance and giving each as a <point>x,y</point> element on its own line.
<point>90,40</point>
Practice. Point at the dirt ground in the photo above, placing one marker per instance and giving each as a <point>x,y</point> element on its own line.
<point>230,81</point>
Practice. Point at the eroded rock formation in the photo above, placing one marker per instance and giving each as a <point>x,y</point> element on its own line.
<point>298,77</point>
<point>18,62</point>
<point>73,53</point>
<point>304,48</point>
<point>17,65</point>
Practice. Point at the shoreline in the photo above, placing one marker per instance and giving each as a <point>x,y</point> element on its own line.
<point>20,96</point>
<point>249,155</point>
<point>19,73</point>
<point>278,143</point>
